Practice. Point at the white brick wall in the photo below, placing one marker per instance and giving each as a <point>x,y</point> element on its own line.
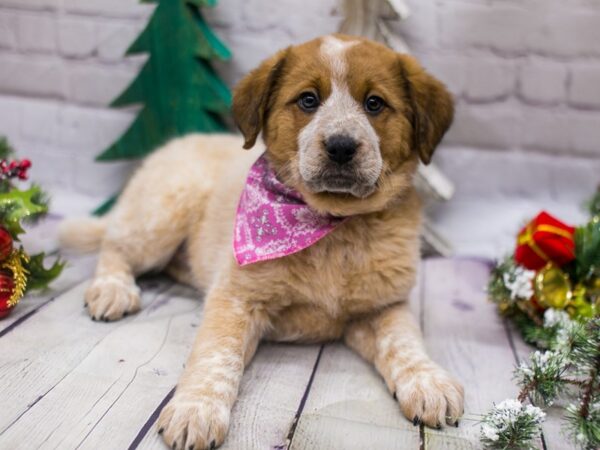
<point>525,74</point>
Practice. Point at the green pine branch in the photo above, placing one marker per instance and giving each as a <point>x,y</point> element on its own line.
<point>572,365</point>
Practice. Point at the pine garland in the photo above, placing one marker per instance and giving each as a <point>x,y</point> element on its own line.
<point>571,367</point>
<point>567,334</point>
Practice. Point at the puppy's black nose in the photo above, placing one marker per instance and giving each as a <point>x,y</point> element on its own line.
<point>340,148</point>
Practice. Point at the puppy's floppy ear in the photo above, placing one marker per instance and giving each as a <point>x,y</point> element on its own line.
<point>252,96</point>
<point>432,107</point>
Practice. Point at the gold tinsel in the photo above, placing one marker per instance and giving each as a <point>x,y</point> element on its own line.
<point>14,263</point>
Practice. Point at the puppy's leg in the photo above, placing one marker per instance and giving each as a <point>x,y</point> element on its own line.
<point>392,341</point>
<point>197,417</point>
<point>113,292</point>
<point>129,248</point>
<point>148,224</point>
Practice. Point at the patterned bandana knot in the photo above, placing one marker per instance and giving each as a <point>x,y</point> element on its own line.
<point>272,219</point>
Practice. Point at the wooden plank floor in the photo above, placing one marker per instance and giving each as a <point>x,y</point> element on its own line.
<point>67,382</point>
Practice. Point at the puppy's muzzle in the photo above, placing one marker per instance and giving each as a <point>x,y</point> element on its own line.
<point>341,148</point>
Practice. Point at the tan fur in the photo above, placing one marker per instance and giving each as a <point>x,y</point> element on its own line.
<point>84,234</point>
<point>353,284</point>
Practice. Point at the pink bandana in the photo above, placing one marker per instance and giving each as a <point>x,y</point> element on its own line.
<point>272,219</point>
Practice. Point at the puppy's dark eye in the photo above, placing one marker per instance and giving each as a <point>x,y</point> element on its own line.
<point>374,104</point>
<point>308,102</point>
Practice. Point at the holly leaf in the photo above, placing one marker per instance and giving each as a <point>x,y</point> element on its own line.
<point>6,151</point>
<point>17,206</point>
<point>39,277</point>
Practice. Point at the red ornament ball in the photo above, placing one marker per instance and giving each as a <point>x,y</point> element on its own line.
<point>7,287</point>
<point>6,244</point>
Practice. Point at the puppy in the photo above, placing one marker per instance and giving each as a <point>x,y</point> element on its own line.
<point>344,121</point>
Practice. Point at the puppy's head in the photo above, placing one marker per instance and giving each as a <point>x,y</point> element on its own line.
<point>344,119</point>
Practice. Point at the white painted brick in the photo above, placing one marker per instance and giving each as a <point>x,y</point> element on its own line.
<point>50,166</point>
<point>502,28</point>
<point>565,32</point>
<point>253,47</point>
<point>114,38</point>
<point>88,131</point>
<point>8,30</point>
<point>321,18</point>
<point>225,14</point>
<point>495,174</point>
<point>76,37</point>
<point>26,75</point>
<point>40,121</point>
<point>37,32</point>
<point>584,89</point>
<point>449,68</point>
<point>545,130</point>
<point>489,79</point>
<point>31,4</point>
<point>96,178</point>
<point>109,8</point>
<point>97,84</point>
<point>542,81</point>
<point>561,132</point>
<point>487,126</point>
<point>10,116</point>
<point>477,47</point>
<point>584,133</point>
<point>421,29</point>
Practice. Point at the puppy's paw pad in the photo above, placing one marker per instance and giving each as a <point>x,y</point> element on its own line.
<point>199,424</point>
<point>111,298</point>
<point>431,396</point>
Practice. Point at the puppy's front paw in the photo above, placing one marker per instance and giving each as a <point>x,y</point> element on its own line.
<point>428,394</point>
<point>194,423</point>
<point>111,297</point>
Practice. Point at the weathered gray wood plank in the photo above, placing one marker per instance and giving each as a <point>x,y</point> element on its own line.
<point>349,407</point>
<point>271,390</point>
<point>125,369</point>
<point>45,351</point>
<point>464,334</point>
<point>69,382</point>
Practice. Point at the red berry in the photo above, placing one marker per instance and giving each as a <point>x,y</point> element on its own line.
<point>25,164</point>
<point>13,165</point>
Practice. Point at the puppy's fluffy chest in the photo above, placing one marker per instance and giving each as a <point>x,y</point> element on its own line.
<point>365,264</point>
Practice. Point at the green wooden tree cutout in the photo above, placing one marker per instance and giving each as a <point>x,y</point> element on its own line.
<point>178,88</point>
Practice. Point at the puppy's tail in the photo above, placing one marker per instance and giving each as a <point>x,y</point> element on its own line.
<point>83,234</point>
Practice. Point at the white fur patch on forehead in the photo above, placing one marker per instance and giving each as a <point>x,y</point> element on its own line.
<point>333,50</point>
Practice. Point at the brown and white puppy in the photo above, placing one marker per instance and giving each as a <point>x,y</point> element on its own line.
<point>345,121</point>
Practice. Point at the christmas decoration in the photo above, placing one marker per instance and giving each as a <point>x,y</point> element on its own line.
<point>6,243</point>
<point>543,240</point>
<point>550,288</point>
<point>508,418</point>
<point>179,90</point>
<point>569,367</point>
<point>19,272</point>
